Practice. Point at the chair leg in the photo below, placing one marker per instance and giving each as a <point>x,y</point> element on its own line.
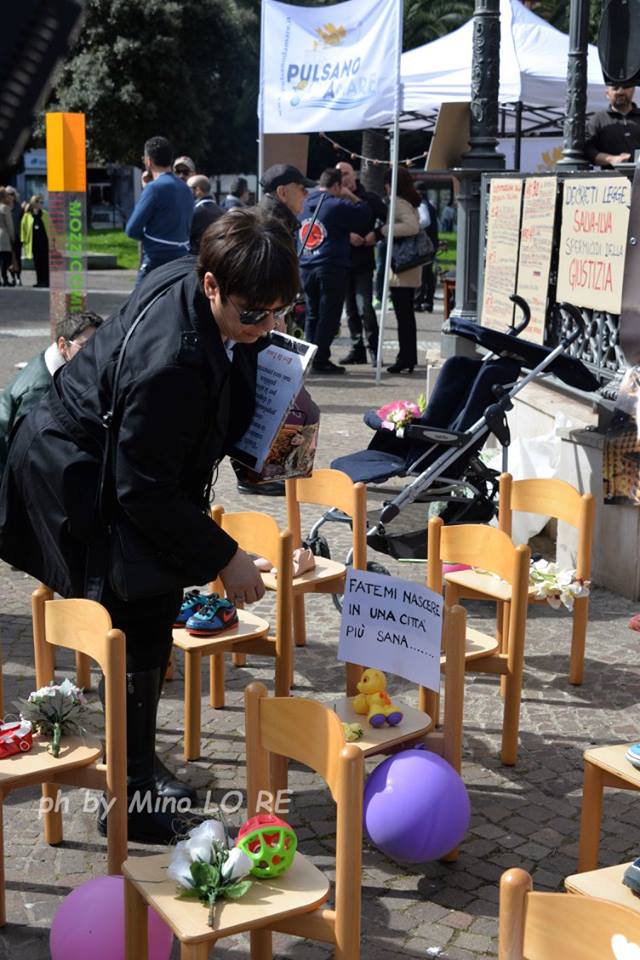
<point>194,951</point>
<point>503,615</point>
<point>135,923</point>
<point>52,813</point>
<point>299,625</point>
<point>239,659</point>
<point>83,671</point>
<point>511,720</point>
<point>429,702</point>
<point>578,638</point>
<point>192,704</point>
<point>216,681</point>
<point>261,945</point>
<point>590,817</point>
<point>353,674</point>
<point>171,666</point>
<point>117,835</point>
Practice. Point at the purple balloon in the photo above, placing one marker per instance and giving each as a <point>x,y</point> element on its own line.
<point>89,924</point>
<point>416,807</point>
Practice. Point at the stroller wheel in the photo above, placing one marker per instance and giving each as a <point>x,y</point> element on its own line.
<point>373,567</point>
<point>318,546</point>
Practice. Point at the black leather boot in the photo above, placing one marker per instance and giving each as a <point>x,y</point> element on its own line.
<point>167,785</point>
<point>152,818</point>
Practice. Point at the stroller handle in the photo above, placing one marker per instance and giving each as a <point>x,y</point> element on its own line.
<point>578,320</point>
<point>517,328</point>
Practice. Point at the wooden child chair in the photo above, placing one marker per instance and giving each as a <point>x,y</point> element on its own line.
<point>557,926</point>
<point>83,626</point>
<point>606,883</point>
<point>603,767</point>
<point>83,663</point>
<point>492,550</point>
<point>550,498</point>
<point>327,488</point>
<point>305,731</point>
<point>256,533</point>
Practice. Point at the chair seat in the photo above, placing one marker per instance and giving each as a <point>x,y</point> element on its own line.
<point>248,627</point>
<point>611,759</point>
<point>324,573</point>
<point>476,645</point>
<point>375,739</point>
<point>606,884</point>
<point>484,585</point>
<point>74,752</point>
<point>301,889</point>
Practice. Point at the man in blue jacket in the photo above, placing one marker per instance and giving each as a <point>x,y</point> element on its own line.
<point>162,216</point>
<point>326,260</point>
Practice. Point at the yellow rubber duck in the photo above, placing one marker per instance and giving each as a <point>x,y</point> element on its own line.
<point>374,701</point>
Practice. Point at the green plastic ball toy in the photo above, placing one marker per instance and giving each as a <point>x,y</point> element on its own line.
<point>270,843</point>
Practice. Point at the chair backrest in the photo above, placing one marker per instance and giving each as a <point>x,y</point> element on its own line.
<point>454,629</point>
<point>550,498</point>
<point>558,926</point>
<point>259,534</point>
<point>331,488</point>
<point>307,731</point>
<point>475,544</point>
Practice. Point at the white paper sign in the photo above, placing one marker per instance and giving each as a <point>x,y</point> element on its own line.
<point>279,377</point>
<point>391,624</point>
<point>329,68</point>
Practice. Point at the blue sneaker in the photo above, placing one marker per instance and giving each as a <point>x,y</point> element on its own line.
<point>633,755</point>
<point>216,615</point>
<point>192,602</point>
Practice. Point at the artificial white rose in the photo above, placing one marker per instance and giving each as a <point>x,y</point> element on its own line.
<point>202,837</point>
<point>180,868</point>
<point>237,865</point>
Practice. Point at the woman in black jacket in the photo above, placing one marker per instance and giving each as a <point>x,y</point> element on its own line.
<point>185,394</point>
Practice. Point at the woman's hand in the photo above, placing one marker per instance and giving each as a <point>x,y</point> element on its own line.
<point>242,580</point>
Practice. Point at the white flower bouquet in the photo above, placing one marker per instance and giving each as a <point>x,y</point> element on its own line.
<point>205,868</point>
<point>557,587</point>
<point>55,710</point>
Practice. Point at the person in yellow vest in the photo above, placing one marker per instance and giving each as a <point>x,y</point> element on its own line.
<point>35,231</point>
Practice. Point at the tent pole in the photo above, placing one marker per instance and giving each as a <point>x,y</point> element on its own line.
<point>261,106</point>
<point>518,143</point>
<point>394,155</point>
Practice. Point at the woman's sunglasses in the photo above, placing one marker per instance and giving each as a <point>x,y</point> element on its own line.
<point>252,317</point>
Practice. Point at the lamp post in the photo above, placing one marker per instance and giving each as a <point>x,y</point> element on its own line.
<point>481,156</point>
<point>573,157</point>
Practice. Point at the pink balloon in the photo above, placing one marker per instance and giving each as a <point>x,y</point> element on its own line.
<point>89,924</point>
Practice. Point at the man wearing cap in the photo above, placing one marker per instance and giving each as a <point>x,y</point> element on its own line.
<point>613,135</point>
<point>184,167</point>
<point>285,189</point>
<point>205,209</point>
<point>162,216</point>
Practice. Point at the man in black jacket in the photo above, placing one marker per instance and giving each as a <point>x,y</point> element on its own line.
<point>359,300</point>
<point>285,190</point>
<point>205,209</point>
<point>185,394</point>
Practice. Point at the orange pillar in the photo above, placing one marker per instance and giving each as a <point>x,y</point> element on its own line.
<point>67,187</point>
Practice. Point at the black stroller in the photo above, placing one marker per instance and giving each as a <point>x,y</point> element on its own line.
<point>440,449</point>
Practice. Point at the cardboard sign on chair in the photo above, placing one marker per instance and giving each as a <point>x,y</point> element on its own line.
<point>392,624</point>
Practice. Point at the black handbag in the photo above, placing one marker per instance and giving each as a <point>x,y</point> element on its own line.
<point>409,252</point>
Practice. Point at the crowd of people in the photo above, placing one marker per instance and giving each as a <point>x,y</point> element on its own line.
<point>336,225</point>
<point>25,229</point>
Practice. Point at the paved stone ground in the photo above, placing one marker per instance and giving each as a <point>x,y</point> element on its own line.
<point>526,816</point>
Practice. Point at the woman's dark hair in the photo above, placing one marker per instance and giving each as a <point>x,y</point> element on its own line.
<point>252,256</point>
<point>406,188</point>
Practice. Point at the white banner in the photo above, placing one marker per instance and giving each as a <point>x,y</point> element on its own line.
<point>329,68</point>
<point>392,624</point>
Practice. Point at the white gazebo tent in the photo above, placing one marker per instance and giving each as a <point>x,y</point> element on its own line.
<point>533,72</point>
